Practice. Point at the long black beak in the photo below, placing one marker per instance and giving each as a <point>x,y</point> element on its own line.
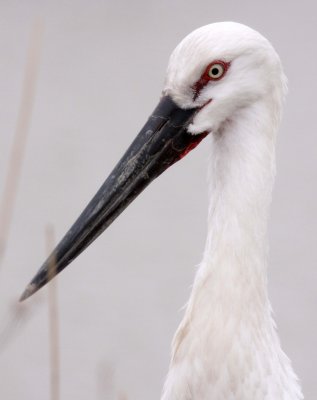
<point>162,141</point>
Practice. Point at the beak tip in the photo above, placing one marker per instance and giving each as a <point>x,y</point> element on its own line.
<point>30,289</point>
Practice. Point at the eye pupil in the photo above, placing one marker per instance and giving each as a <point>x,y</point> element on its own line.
<point>216,71</point>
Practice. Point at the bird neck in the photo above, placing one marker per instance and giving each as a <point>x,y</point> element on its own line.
<point>231,283</point>
<point>226,345</point>
<point>242,173</point>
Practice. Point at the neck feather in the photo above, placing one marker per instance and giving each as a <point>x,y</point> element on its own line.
<point>226,346</point>
<point>242,172</point>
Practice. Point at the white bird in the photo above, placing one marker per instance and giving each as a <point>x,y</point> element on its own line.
<point>225,80</point>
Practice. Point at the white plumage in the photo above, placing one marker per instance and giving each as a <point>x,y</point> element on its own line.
<point>224,79</point>
<point>226,347</point>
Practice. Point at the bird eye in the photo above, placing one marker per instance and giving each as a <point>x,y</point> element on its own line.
<point>213,72</point>
<point>216,71</point>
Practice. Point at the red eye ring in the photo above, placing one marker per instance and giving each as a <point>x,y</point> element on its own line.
<point>221,66</point>
<point>210,75</point>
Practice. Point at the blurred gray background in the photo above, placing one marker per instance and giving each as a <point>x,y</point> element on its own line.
<point>101,73</point>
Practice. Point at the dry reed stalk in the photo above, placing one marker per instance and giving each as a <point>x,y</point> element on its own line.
<point>105,381</point>
<point>20,135</point>
<point>53,320</point>
<point>122,396</point>
<point>18,313</point>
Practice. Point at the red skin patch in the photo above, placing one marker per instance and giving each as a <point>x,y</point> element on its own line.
<point>198,139</point>
<point>189,148</point>
<point>205,77</point>
<point>198,86</point>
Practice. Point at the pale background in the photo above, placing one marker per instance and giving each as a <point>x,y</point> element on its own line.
<point>101,72</point>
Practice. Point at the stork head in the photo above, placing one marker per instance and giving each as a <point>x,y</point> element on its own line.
<point>212,73</point>
<point>221,68</point>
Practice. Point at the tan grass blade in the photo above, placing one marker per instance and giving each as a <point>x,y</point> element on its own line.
<point>20,136</point>
<point>18,314</point>
<point>53,322</point>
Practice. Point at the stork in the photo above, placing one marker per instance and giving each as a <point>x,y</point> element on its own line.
<point>226,81</point>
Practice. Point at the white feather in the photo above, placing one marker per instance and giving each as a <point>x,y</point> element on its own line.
<point>226,347</point>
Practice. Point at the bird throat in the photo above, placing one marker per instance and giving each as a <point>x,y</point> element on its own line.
<point>226,345</point>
